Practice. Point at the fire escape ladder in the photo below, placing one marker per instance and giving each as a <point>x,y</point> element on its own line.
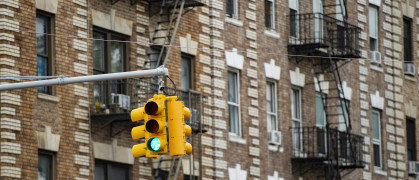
<point>164,33</point>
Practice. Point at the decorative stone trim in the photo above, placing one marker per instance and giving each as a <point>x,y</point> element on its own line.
<point>113,152</point>
<point>297,78</point>
<point>48,141</point>
<point>111,22</point>
<point>47,5</point>
<point>272,71</point>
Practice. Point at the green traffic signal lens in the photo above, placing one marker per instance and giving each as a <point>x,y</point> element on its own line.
<point>153,144</point>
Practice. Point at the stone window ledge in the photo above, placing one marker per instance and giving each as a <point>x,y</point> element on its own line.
<point>236,139</point>
<point>233,21</point>
<point>379,171</point>
<point>48,97</point>
<point>271,33</point>
<point>376,68</point>
<point>410,78</point>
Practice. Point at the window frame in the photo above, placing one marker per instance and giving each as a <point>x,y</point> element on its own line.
<point>412,146</point>
<point>345,113</point>
<point>407,40</point>
<point>50,49</point>
<point>377,141</point>
<point>191,63</point>
<point>321,95</point>
<point>107,47</point>
<point>271,17</point>
<point>53,162</point>
<point>235,14</point>
<point>236,104</point>
<point>371,36</point>
<point>297,26</point>
<point>108,168</point>
<point>297,120</point>
<point>105,86</point>
<point>274,101</point>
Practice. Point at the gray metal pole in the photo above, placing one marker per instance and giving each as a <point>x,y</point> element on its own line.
<point>160,71</point>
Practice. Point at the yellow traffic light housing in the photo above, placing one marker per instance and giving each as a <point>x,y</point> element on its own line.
<point>178,130</point>
<point>153,130</point>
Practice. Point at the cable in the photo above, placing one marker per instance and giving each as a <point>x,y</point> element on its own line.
<point>164,91</point>
<point>215,49</point>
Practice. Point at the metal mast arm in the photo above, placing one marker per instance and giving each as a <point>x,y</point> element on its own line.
<point>160,71</point>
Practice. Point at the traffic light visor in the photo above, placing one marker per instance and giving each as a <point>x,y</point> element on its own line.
<point>153,144</point>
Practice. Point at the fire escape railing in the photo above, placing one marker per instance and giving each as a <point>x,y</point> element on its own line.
<point>315,30</point>
<point>321,144</point>
<point>113,96</point>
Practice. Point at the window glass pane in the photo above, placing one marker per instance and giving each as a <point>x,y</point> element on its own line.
<point>186,73</point>
<point>293,23</point>
<point>373,44</point>
<point>119,173</point>
<point>98,53</point>
<point>272,122</point>
<point>343,116</point>
<point>372,18</point>
<point>44,167</point>
<point>233,118</point>
<point>117,56</point>
<point>376,125</point>
<point>296,104</point>
<point>269,97</point>
<point>268,14</point>
<point>100,171</point>
<point>320,119</point>
<point>41,39</point>
<point>377,155</point>
<point>230,7</point>
<point>232,87</point>
<point>407,37</point>
<point>42,68</point>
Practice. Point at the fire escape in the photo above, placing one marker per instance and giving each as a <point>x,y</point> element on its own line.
<point>330,42</point>
<point>114,100</point>
<point>167,15</point>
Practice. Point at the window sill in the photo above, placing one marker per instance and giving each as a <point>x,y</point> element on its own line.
<point>410,77</point>
<point>379,171</point>
<point>236,139</point>
<point>376,68</point>
<point>48,97</point>
<point>234,21</point>
<point>272,33</point>
<point>275,148</point>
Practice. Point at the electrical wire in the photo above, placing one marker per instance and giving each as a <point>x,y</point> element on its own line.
<point>213,49</point>
<point>166,93</point>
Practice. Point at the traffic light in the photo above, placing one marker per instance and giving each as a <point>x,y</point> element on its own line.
<point>153,130</point>
<point>177,113</point>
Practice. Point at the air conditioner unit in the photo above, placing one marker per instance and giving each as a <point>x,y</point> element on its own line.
<point>413,167</point>
<point>409,68</point>
<point>121,99</point>
<point>274,137</point>
<point>375,57</point>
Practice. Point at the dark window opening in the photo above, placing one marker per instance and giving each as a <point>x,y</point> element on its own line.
<point>105,170</point>
<point>411,139</point>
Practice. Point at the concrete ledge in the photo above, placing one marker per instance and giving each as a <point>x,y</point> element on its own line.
<point>236,139</point>
<point>47,5</point>
<point>111,22</point>
<point>48,97</point>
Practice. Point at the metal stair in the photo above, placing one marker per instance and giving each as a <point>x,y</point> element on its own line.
<point>164,33</point>
<point>340,8</point>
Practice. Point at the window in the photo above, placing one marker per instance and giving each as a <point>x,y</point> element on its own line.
<point>44,26</point>
<point>343,115</point>
<point>234,103</point>
<point>376,138</point>
<point>271,106</point>
<point>407,39</point>
<point>373,27</point>
<point>409,66</point>
<point>320,111</point>
<point>411,139</point>
<point>321,123</point>
<point>105,170</point>
<point>187,72</point>
<point>269,14</point>
<point>293,5</point>
<point>232,9</point>
<point>46,163</point>
<point>296,118</point>
<point>108,57</point>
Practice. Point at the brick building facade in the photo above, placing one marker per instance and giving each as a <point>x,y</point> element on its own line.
<point>335,79</point>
